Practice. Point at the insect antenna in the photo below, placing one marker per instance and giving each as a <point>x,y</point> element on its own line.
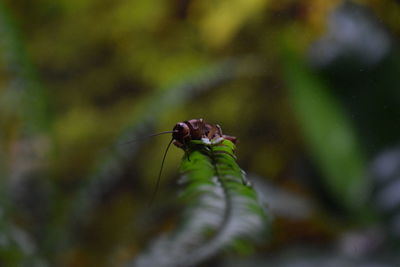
<point>148,136</point>
<point>159,174</point>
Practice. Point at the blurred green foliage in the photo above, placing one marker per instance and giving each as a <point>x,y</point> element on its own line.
<point>328,133</point>
<point>311,89</point>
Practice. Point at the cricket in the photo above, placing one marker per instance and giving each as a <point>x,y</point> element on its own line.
<point>186,131</point>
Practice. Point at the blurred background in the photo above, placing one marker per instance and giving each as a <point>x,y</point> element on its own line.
<point>310,88</point>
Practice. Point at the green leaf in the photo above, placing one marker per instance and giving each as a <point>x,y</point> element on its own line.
<point>222,210</point>
<point>328,132</point>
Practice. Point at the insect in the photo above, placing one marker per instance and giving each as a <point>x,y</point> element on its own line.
<point>196,129</point>
<point>184,132</point>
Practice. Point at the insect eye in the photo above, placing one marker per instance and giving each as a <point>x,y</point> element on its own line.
<point>178,127</point>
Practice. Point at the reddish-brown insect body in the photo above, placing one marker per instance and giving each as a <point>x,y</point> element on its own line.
<point>196,129</point>
<point>184,132</point>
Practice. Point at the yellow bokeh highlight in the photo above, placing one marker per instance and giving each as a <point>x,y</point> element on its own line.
<point>222,20</point>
